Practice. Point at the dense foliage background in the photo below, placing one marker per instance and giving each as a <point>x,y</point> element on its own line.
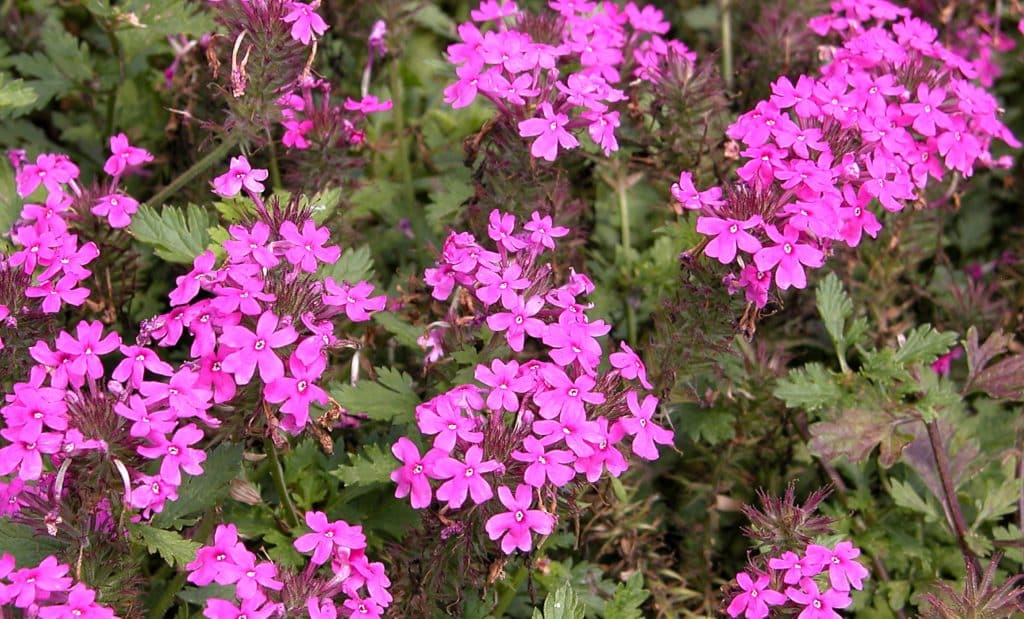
<point>880,405</point>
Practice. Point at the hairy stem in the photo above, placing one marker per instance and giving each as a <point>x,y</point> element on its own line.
<point>277,473</point>
<point>727,70</point>
<point>214,156</point>
<point>956,514</point>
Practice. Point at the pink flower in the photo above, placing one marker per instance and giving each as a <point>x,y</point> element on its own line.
<point>251,244</point>
<point>355,299</point>
<point>252,608</point>
<point>254,349</point>
<point>117,208</point>
<point>306,23</point>
<point>629,365</point>
<point>368,105</point>
<point>492,10</point>
<point>328,538</point>
<point>53,294</point>
<point>217,563</point>
<point>545,465</point>
<point>797,568</point>
<point>297,391</point>
<point>86,349</point>
<point>542,231</point>
<point>34,584</point>
<point>506,382</point>
<point>550,131</point>
<point>464,477</point>
<point>177,454</point>
<point>753,603</point>
<point>519,321</point>
<point>500,227</point>
<point>790,256</point>
<point>124,156</point>
<point>843,571</point>
<point>573,427</point>
<point>564,393</point>
<point>644,431</point>
<point>818,605</point>
<point>446,420</point>
<point>51,171</point>
<point>81,604</point>
<point>307,247</point>
<point>604,456</point>
<point>411,477</point>
<point>240,174</point>
<point>728,235</point>
<point>515,525</point>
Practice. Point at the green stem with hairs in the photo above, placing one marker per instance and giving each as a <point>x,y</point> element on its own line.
<point>214,156</point>
<point>277,473</point>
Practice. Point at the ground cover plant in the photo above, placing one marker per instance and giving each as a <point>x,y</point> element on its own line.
<point>554,309</point>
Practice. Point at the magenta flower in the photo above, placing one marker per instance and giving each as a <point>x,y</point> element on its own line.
<point>728,235</point>
<point>644,431</point>
<point>790,255</point>
<point>629,365</point>
<point>124,156</point>
<point>306,23</point>
<point>550,132</point>
<point>753,603</point>
<point>927,112</point>
<point>573,427</point>
<point>308,247</point>
<point>604,456</point>
<point>254,349</point>
<point>843,570</point>
<point>53,294</point>
<point>465,477</point>
<point>85,349</point>
<point>329,537</point>
<point>81,604</point>
<point>542,231</point>
<point>575,341</point>
<point>217,563</point>
<point>503,285</point>
<point>251,244</point>
<point>411,477</point>
<point>367,105</point>
<point>32,584</point>
<point>240,174</point>
<point>297,391</point>
<point>519,321</point>
<point>188,286</point>
<point>24,453</point>
<point>564,393</point>
<point>354,299</point>
<point>515,525</point>
<point>797,567</point>
<point>545,465</point>
<point>506,382</point>
<point>501,230</point>
<point>443,418</point>
<point>51,171</point>
<point>117,208</point>
<point>177,454</point>
<point>252,608</point>
<point>818,605</point>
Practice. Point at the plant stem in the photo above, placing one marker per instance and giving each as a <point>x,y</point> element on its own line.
<point>956,515</point>
<point>277,473</point>
<point>404,168</point>
<point>622,193</point>
<point>197,168</point>
<point>727,70</point>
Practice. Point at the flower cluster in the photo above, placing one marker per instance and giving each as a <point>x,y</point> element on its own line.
<point>262,589</point>
<point>46,270</point>
<point>554,73</point>
<point>46,591</point>
<point>839,571</point>
<point>526,428</point>
<point>892,111</point>
<point>270,308</point>
<point>313,122</point>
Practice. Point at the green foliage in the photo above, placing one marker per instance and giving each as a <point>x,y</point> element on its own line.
<point>175,234</point>
<point>561,604</point>
<point>199,493</point>
<point>26,546</point>
<point>171,546</point>
<point>389,398</point>
<point>370,467</point>
<point>628,599</point>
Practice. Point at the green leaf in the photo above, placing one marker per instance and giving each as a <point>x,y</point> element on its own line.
<point>404,332</point>
<point>712,425</point>
<point>170,545</point>
<point>370,467</point>
<point>835,308</point>
<point>924,345</point>
<point>447,202</point>
<point>811,387</point>
<point>628,598</point>
<point>199,595</point>
<point>10,203</point>
<point>199,493</point>
<point>175,235</point>
<point>354,265</point>
<point>15,94</point>
<point>27,547</point>
<point>904,495</point>
<point>562,604</point>
<point>389,398</point>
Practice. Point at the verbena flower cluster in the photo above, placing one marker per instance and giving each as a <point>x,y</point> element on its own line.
<point>47,592</point>
<point>893,111</point>
<point>535,420</point>
<point>815,583</point>
<point>553,73</point>
<point>263,589</point>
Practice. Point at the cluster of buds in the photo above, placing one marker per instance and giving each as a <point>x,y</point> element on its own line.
<point>533,423</point>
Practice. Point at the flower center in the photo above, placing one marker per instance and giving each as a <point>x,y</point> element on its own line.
<point>417,469</point>
<point>816,603</point>
<point>574,392</point>
<point>788,248</point>
<point>520,515</point>
<point>259,345</point>
<point>172,450</point>
<point>733,229</point>
<point>469,472</point>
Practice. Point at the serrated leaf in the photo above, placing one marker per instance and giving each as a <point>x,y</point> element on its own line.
<point>854,433</point>
<point>370,467</point>
<point>389,398</point>
<point>10,203</point>
<point>811,387</point>
<point>628,598</point>
<point>354,265</point>
<point>27,547</point>
<point>711,425</point>
<point>447,202</point>
<point>835,307</point>
<point>170,545</point>
<point>404,332</point>
<point>199,493</point>
<point>175,234</point>
<point>563,604</point>
<point>904,495</point>
<point>14,94</point>
<point>1004,379</point>
<point>924,345</point>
